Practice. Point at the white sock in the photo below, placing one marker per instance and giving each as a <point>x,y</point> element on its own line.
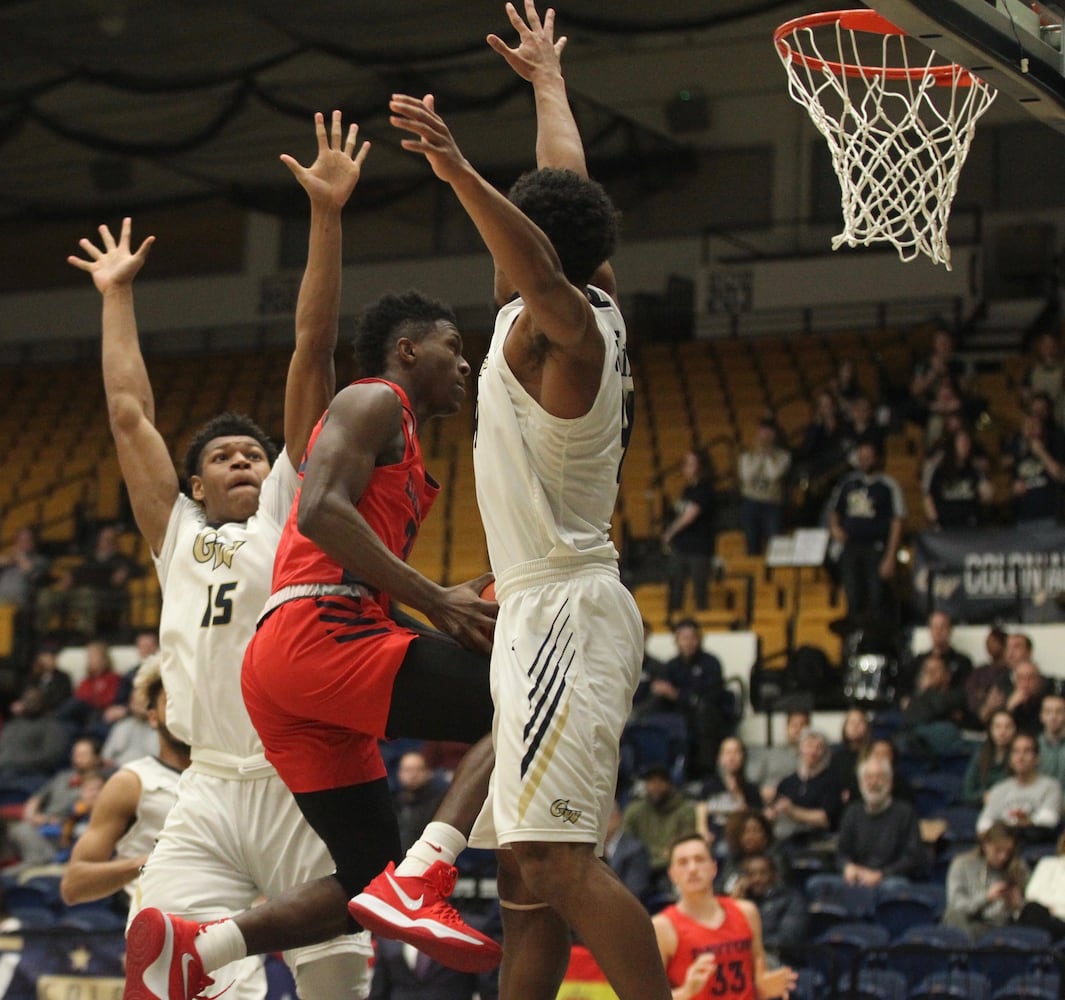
<point>219,944</point>
<point>438,842</point>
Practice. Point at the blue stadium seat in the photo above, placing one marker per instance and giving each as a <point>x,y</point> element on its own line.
<point>810,986</point>
<point>874,984</point>
<point>661,738</point>
<point>935,936</point>
<point>928,949</point>
<point>903,907</point>
<point>961,823</point>
<point>952,986</point>
<point>1005,953</point>
<point>34,918</point>
<point>823,915</point>
<point>835,951</point>
<point>1031,986</point>
<point>935,791</point>
<point>859,901</point>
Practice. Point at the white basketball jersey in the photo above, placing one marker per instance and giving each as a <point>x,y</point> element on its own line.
<point>158,795</point>
<point>215,581</point>
<point>546,486</point>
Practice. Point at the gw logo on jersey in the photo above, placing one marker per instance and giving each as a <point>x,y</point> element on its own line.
<point>561,809</point>
<point>208,547</point>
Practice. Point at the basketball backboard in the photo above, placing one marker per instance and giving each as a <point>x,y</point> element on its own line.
<point>1014,46</point>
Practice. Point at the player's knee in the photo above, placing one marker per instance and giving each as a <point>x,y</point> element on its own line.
<point>551,871</point>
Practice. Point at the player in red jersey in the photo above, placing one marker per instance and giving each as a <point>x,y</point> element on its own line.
<point>711,945</point>
<point>333,667</point>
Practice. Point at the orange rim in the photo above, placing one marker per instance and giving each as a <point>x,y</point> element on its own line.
<point>873,23</point>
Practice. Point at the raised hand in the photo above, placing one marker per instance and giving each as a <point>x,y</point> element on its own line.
<point>336,170</point>
<point>433,138</point>
<point>537,49</point>
<point>115,264</point>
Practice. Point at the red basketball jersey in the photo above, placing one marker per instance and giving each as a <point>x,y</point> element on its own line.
<point>730,944</point>
<point>396,501</point>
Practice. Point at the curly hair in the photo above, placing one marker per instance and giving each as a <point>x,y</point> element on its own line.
<point>149,679</point>
<point>575,213</point>
<point>225,425</point>
<point>406,314</point>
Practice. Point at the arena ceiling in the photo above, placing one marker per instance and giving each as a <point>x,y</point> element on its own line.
<point>119,105</point>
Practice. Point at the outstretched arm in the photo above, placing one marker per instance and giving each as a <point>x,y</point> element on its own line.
<point>93,872</point>
<point>519,247</point>
<point>142,453</point>
<point>537,58</point>
<point>329,182</point>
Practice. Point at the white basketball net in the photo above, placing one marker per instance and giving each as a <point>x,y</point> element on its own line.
<point>898,139</point>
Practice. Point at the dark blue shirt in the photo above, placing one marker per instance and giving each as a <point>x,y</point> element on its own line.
<point>867,505</point>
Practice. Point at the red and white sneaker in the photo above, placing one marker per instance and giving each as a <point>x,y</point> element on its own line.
<point>161,958</point>
<point>414,909</point>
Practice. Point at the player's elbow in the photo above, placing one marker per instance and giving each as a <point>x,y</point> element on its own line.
<point>312,515</point>
<point>70,892</point>
<point>124,412</point>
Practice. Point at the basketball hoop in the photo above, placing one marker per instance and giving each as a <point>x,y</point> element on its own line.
<point>898,120</point>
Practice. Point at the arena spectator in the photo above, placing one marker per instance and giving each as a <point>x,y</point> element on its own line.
<point>985,886</point>
<point>726,791</point>
<point>1046,373</point>
<point>84,712</point>
<point>933,714</point>
<point>46,678</point>
<point>146,642</point>
<point>52,802</point>
<point>772,764</point>
<point>748,834</point>
<point>782,908</point>
<point>698,679</point>
<point>990,762</point>
<point>942,364</point>
<point>690,535</point>
<point>1018,650</point>
<point>1043,407</point>
<point>418,793</point>
<point>856,736</point>
<point>93,597</point>
<point>958,492</point>
<point>861,426</point>
<point>808,801</point>
<point>628,857</point>
<point>1037,475</point>
<point>401,972</point>
<point>1052,737</point>
<point>845,386</point>
<point>763,470</point>
<point>1044,895</point>
<point>866,519</point>
<point>820,459</point>
<point>879,838</point>
<point>1025,699</point>
<point>23,569</point>
<point>884,749</point>
<point>945,413</point>
<point>984,678</point>
<point>940,633</point>
<point>656,819</point>
<point>33,744</point>
<point>1027,801</point>
<point>133,736</point>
